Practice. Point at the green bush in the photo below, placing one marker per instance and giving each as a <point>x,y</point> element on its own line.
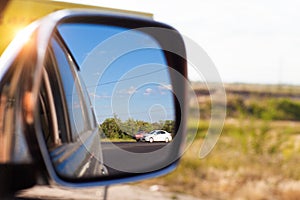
<point>266,109</point>
<point>115,128</point>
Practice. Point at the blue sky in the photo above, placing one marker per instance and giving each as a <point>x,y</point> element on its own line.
<point>251,41</point>
<point>122,80</point>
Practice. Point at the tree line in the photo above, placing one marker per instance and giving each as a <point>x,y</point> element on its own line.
<point>115,128</point>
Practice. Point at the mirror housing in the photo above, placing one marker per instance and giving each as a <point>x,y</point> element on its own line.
<point>40,34</point>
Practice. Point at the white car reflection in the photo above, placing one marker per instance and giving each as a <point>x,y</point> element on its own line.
<point>157,136</point>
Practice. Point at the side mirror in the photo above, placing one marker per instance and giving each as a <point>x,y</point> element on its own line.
<point>98,80</point>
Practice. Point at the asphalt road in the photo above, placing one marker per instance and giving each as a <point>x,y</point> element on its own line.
<point>135,147</point>
<point>110,150</point>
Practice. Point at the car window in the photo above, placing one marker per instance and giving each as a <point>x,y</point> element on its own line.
<point>79,113</point>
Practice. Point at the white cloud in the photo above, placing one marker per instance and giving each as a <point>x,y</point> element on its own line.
<point>148,91</point>
<point>164,88</point>
<point>99,96</point>
<point>129,91</point>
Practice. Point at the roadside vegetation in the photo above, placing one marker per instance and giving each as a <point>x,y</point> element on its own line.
<point>257,155</point>
<point>114,129</point>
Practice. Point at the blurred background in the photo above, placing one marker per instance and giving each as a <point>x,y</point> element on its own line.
<point>255,46</point>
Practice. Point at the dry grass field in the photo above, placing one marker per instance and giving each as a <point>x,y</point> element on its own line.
<point>258,154</point>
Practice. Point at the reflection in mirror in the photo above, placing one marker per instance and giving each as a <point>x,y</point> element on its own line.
<point>126,75</point>
<point>121,87</point>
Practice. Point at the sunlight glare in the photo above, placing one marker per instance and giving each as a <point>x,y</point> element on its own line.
<point>22,35</point>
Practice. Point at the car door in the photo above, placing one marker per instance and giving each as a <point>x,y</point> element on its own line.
<point>162,136</point>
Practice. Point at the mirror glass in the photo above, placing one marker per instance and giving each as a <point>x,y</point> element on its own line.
<point>120,86</point>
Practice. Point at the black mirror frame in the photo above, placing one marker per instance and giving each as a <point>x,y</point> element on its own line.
<point>176,59</point>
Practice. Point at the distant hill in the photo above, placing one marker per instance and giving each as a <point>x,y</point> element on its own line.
<point>247,90</point>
